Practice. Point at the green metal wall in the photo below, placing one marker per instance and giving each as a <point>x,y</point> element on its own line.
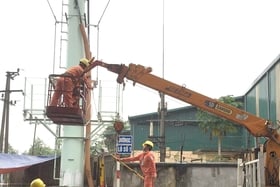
<point>272,94</point>
<point>181,130</point>
<point>262,98</point>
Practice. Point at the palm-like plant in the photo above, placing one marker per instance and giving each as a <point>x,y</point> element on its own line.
<point>217,126</point>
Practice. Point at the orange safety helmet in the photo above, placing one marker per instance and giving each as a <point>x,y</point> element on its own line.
<point>148,142</point>
<point>37,183</point>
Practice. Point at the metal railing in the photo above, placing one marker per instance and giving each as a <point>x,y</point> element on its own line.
<point>249,174</point>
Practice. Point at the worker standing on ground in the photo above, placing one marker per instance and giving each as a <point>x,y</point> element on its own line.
<point>67,82</point>
<point>37,183</point>
<point>147,163</point>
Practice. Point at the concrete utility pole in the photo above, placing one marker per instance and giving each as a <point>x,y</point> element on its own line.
<point>72,150</point>
<point>162,113</point>
<point>162,107</point>
<point>4,134</point>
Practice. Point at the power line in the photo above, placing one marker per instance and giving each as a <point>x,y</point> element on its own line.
<point>52,11</point>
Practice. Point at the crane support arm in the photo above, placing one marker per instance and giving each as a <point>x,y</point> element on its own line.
<point>257,126</point>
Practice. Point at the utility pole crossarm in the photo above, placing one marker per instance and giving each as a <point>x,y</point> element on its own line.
<point>10,91</point>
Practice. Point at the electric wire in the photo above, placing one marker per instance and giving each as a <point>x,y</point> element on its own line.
<point>52,10</point>
<point>97,48</point>
<point>98,38</point>
<point>103,13</point>
<point>54,52</point>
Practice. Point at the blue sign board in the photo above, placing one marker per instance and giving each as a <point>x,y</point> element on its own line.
<point>124,149</point>
<point>124,139</point>
<point>124,144</point>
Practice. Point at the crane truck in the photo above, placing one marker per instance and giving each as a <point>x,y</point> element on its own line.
<point>256,125</point>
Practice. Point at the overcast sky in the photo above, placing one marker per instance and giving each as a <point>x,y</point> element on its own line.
<point>216,47</point>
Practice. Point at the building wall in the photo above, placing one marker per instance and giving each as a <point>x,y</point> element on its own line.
<point>181,132</point>
<point>185,175</point>
<point>263,98</point>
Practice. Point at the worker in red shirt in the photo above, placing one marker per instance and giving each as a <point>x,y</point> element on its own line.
<point>67,82</point>
<point>147,163</point>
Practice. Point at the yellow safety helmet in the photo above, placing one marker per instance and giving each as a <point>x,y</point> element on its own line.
<point>148,142</point>
<point>84,61</point>
<point>37,183</point>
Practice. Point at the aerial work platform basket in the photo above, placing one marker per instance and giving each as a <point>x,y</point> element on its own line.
<point>66,103</point>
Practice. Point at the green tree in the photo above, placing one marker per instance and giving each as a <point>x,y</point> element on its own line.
<point>40,148</point>
<point>11,150</point>
<point>97,147</point>
<point>215,125</point>
<point>110,136</point>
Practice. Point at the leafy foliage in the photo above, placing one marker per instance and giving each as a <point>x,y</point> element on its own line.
<point>11,150</point>
<point>110,136</point>
<point>216,126</point>
<point>40,148</point>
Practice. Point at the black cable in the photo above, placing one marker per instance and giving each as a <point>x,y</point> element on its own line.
<point>103,12</point>
<point>52,11</point>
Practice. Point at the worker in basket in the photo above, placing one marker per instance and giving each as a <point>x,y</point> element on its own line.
<point>37,183</point>
<point>147,163</point>
<point>66,84</point>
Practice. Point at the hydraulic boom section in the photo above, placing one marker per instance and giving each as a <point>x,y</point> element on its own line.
<point>257,126</point>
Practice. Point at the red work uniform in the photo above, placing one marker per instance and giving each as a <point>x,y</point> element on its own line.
<point>65,86</point>
<point>147,165</point>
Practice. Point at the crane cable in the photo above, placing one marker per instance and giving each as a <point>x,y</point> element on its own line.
<point>125,165</point>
